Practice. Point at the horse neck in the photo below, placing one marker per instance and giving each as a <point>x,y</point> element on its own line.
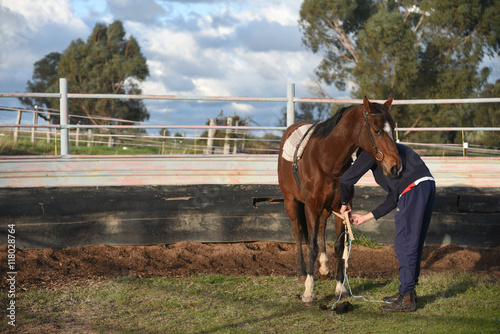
<point>342,142</point>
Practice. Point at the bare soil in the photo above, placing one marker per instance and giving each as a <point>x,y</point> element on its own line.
<point>52,268</point>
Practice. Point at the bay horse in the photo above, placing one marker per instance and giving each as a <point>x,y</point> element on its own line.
<point>310,199</point>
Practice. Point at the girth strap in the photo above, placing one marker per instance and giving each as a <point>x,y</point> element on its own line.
<point>295,168</point>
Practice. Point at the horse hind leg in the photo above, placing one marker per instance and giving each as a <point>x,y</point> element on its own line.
<point>295,211</point>
<point>308,298</point>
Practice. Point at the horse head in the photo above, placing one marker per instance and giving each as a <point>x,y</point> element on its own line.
<point>376,136</point>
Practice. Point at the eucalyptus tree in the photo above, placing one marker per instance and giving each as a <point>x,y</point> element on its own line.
<point>423,49</point>
<point>109,62</point>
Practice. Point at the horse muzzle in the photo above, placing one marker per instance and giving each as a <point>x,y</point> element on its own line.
<point>395,171</point>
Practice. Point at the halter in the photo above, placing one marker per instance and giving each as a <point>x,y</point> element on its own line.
<point>377,152</point>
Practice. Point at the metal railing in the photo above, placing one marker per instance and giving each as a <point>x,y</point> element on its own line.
<point>290,101</point>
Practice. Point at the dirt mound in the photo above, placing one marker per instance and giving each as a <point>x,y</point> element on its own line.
<point>39,268</point>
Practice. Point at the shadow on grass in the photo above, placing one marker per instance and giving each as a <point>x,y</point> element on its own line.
<point>450,292</point>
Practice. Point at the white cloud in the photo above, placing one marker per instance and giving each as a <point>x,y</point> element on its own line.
<point>37,13</point>
<point>242,107</point>
<point>154,87</point>
<point>217,25</point>
<point>282,12</point>
<point>31,30</point>
<point>228,53</point>
<point>211,87</point>
<point>206,48</point>
<point>163,42</point>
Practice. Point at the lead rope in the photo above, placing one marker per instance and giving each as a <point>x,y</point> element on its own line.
<point>348,237</point>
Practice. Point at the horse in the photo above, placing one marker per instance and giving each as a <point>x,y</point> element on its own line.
<point>311,192</point>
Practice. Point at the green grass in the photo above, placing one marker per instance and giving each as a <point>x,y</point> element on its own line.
<point>362,239</point>
<point>448,303</point>
<point>24,146</point>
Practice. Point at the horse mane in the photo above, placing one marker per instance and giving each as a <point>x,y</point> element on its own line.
<point>380,108</point>
<point>325,128</point>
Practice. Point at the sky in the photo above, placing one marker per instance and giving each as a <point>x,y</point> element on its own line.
<point>246,48</point>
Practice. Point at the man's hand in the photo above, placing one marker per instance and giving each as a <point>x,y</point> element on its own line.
<point>361,219</point>
<point>345,208</point>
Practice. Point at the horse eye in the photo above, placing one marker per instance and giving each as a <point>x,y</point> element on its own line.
<point>378,132</point>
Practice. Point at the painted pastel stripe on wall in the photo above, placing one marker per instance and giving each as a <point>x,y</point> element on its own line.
<point>23,172</point>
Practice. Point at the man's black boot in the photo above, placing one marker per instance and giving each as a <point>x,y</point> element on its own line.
<point>402,304</point>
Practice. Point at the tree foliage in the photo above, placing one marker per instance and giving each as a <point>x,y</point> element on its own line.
<point>411,49</point>
<point>107,63</point>
<point>44,77</point>
<point>488,114</point>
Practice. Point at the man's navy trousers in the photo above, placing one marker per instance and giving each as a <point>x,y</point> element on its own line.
<point>412,219</point>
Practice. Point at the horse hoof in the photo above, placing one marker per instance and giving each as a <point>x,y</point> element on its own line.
<point>325,277</point>
<point>309,301</point>
<point>302,279</point>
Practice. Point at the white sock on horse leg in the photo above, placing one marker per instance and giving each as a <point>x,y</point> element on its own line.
<point>340,289</point>
<point>308,296</point>
<point>323,269</point>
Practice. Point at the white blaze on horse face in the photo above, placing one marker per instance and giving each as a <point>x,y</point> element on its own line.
<point>388,130</point>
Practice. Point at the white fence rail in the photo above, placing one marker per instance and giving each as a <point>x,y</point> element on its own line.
<point>290,101</point>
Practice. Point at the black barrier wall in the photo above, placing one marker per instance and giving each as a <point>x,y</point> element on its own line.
<point>70,217</point>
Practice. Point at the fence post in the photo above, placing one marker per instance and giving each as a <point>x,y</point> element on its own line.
<point>48,129</point>
<point>235,145</point>
<point>195,134</point>
<point>211,135</point>
<point>77,139</point>
<point>111,140</point>
<point>18,122</point>
<point>90,138</point>
<point>227,146</point>
<point>63,106</point>
<point>35,122</point>
<point>290,105</point>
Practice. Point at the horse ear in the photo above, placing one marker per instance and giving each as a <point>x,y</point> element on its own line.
<point>388,103</point>
<point>368,105</point>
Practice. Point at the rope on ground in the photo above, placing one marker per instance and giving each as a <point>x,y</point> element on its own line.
<point>346,278</point>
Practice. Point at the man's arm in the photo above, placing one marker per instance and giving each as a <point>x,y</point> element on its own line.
<point>352,175</point>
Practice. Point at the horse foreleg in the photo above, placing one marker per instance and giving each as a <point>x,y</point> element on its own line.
<point>339,251</point>
<point>324,270</point>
